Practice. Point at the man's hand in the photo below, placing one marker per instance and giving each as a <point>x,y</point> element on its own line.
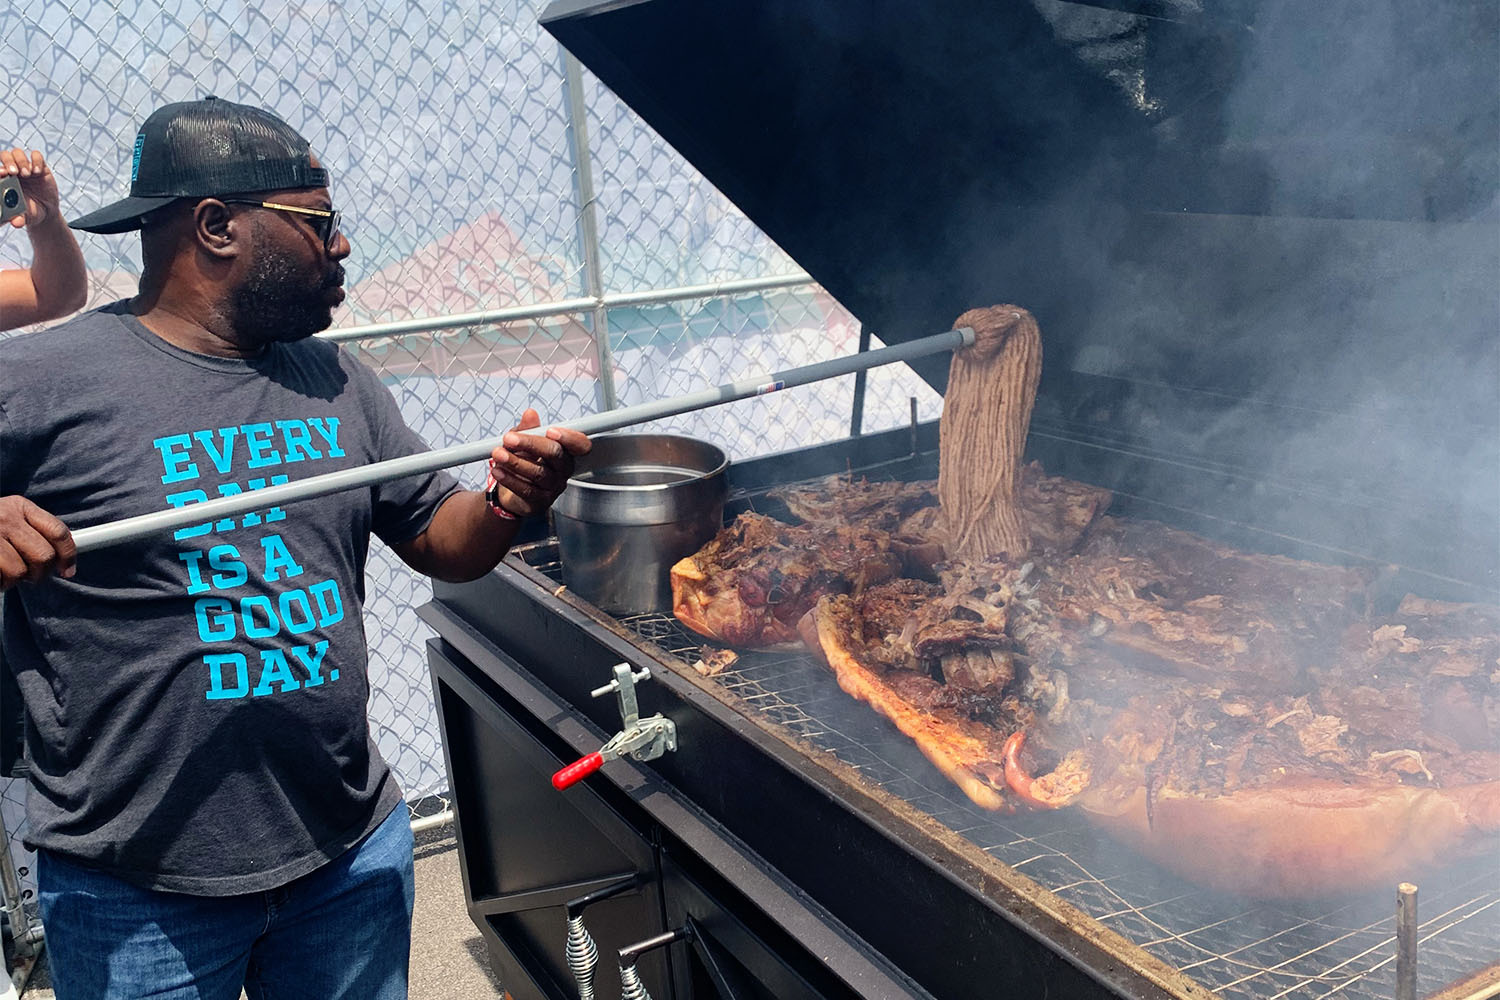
<point>33,543</point>
<point>533,469</point>
<point>465,540</point>
<point>37,184</point>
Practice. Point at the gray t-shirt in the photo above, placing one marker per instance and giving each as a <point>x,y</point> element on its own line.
<point>196,702</point>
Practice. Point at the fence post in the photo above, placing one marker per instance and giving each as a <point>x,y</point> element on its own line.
<point>27,937</point>
<point>588,227</point>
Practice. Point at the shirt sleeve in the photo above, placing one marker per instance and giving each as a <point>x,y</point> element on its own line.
<point>403,508</point>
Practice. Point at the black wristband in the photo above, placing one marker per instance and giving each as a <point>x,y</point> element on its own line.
<point>492,497</point>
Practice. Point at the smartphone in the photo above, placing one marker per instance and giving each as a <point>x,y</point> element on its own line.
<point>12,201</point>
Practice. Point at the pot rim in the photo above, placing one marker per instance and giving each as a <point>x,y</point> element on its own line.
<point>723,463</point>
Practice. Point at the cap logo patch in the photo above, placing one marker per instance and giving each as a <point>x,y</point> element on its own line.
<point>135,161</point>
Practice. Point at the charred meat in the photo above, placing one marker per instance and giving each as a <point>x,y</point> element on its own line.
<point>749,585</point>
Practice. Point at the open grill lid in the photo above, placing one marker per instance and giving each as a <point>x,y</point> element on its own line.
<point>1258,234</point>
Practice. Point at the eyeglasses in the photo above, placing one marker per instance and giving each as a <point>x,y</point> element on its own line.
<point>325,223</point>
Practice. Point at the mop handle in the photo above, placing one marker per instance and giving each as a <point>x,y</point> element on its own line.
<point>132,528</point>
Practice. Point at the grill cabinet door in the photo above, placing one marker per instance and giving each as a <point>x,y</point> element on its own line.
<point>526,849</point>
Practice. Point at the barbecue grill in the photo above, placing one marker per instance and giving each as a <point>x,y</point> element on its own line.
<point>1263,245</point>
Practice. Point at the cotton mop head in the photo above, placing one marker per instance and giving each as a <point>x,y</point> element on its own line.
<point>986,412</point>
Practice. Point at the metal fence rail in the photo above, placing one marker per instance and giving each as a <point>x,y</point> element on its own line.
<point>492,317</point>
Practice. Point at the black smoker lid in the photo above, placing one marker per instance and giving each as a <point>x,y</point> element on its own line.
<point>889,146</point>
<point>1255,231</point>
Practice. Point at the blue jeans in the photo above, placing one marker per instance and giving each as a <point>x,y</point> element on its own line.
<point>343,931</point>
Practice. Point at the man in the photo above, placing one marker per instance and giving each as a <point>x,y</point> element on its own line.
<point>56,283</point>
<point>208,806</point>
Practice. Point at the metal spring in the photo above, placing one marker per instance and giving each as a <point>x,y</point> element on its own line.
<point>583,956</point>
<point>631,987</point>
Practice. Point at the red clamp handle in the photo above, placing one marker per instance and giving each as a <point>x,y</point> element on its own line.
<point>577,771</point>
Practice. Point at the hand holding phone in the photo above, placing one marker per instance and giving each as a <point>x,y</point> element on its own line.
<point>36,199</point>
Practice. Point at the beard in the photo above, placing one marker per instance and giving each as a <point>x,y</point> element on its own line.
<point>279,302</point>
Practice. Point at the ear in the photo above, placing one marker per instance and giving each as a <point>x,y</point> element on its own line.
<point>216,230</point>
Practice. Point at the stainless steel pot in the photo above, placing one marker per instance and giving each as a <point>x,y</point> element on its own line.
<point>635,505</point>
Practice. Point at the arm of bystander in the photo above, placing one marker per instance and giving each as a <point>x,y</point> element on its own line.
<point>56,283</point>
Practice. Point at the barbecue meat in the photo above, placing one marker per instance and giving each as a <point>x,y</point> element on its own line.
<point>751,583</point>
<point>871,642</point>
<point>1354,770</point>
<point>1432,669</point>
<point>1058,511</point>
<point>1305,837</point>
<point>879,506</point>
<point>1244,720</point>
<point>1239,719</point>
<point>1284,801</point>
<point>714,662</point>
<point>1169,601</point>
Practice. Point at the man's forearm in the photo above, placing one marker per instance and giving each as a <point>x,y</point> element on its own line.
<point>464,541</point>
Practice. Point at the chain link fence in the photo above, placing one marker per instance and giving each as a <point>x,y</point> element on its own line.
<point>479,173</point>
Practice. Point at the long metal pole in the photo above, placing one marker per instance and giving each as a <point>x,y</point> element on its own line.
<point>857,408</point>
<point>133,528</point>
<point>1406,941</point>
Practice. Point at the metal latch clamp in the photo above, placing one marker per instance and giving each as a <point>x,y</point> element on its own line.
<point>640,739</point>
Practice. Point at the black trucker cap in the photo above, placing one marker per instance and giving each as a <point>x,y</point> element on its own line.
<point>206,148</point>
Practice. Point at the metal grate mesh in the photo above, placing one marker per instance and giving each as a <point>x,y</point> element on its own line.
<point>1237,948</point>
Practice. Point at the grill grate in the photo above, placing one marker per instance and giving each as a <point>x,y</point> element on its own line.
<point>1236,948</point>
